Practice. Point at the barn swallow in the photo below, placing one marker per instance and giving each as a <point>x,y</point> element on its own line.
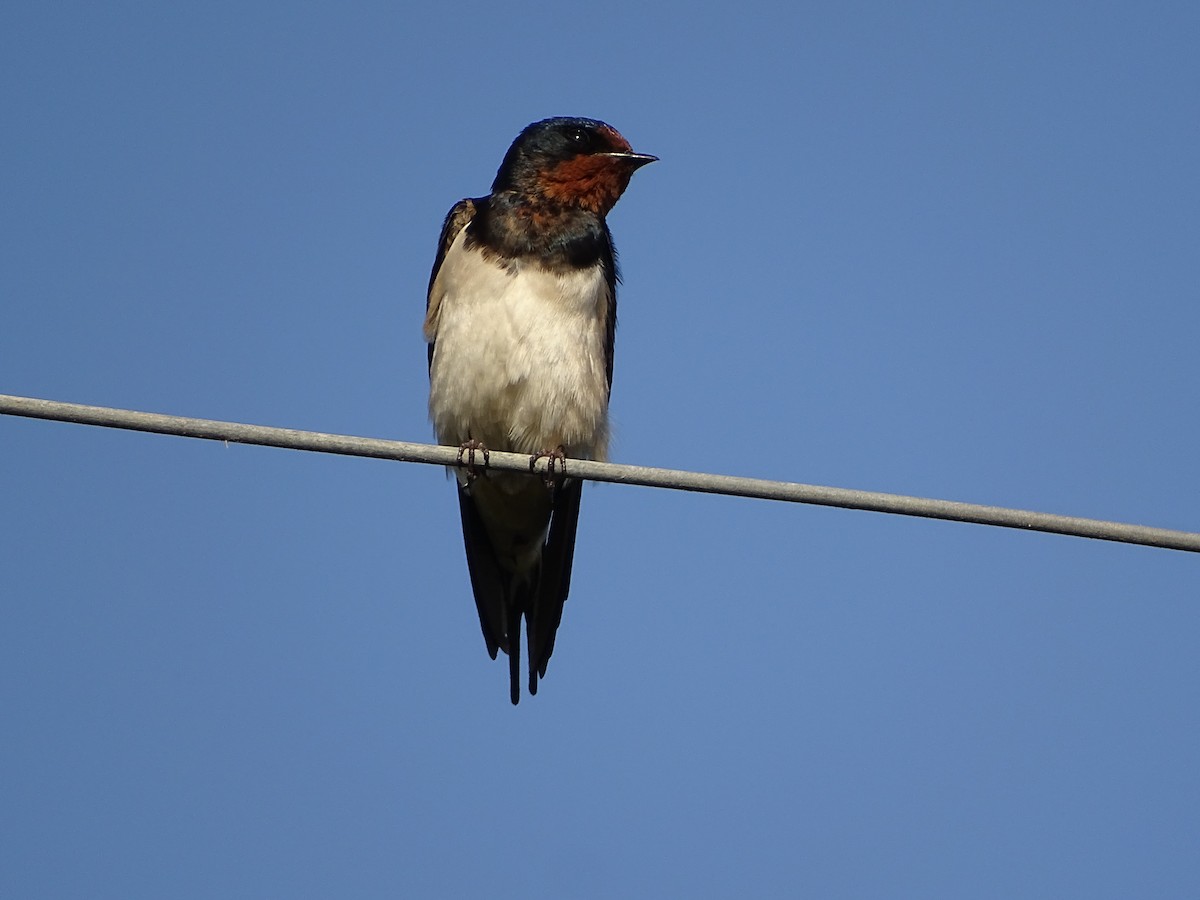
<point>520,318</point>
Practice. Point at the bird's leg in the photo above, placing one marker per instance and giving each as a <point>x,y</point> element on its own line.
<point>470,448</point>
<point>556,458</point>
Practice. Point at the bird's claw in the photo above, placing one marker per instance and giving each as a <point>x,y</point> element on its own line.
<point>469,449</point>
<point>555,459</point>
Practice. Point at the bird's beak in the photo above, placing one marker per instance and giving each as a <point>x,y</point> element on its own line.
<point>635,160</point>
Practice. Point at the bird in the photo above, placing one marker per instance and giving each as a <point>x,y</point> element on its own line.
<point>520,318</point>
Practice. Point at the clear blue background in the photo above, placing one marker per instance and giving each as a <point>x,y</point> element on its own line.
<point>941,249</point>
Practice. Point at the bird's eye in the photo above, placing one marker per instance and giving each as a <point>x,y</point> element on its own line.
<point>578,136</point>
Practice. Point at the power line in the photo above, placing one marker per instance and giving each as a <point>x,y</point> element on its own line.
<point>347,445</point>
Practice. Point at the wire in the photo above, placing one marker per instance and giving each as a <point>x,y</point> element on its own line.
<point>346,445</point>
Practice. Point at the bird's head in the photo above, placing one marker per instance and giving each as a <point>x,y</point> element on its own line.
<point>570,161</point>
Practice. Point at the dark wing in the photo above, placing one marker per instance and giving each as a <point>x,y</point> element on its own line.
<point>489,583</point>
<point>608,258</point>
<point>554,581</point>
<point>460,214</point>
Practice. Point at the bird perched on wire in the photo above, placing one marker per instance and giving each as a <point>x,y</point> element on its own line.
<point>520,320</point>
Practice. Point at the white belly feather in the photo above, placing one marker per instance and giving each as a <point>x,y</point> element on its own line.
<point>519,360</point>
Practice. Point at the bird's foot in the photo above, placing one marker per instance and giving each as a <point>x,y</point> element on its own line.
<point>469,449</point>
<point>555,459</point>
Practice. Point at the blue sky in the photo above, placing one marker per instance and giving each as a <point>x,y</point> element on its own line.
<point>931,248</point>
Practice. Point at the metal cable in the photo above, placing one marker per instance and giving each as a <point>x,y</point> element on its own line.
<point>346,445</point>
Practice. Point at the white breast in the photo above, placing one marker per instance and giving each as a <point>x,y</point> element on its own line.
<point>519,360</point>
